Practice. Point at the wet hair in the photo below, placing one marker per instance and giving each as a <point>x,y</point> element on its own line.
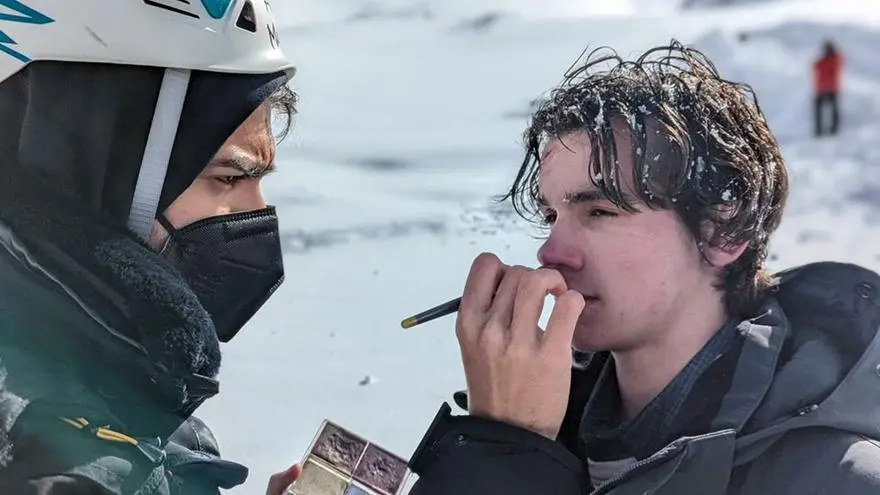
<point>283,104</point>
<point>701,147</point>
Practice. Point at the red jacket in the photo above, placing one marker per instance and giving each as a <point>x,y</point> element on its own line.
<point>826,73</point>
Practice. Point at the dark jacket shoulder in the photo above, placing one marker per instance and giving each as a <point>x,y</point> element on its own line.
<point>188,463</point>
<point>814,461</point>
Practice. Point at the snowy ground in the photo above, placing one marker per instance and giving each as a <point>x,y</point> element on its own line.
<point>410,122</point>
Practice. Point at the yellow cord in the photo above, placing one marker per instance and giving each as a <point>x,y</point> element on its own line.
<point>101,432</point>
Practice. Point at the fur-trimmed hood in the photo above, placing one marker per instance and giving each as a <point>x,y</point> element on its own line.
<point>93,323</point>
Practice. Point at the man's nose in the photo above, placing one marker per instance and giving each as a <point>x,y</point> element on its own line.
<point>560,251</point>
<point>248,198</point>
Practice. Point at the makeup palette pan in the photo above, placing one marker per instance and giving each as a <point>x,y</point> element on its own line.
<point>340,462</point>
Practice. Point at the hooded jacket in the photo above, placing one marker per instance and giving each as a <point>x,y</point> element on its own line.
<point>105,351</point>
<point>800,414</point>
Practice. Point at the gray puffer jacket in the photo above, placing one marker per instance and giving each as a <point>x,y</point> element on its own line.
<point>800,416</point>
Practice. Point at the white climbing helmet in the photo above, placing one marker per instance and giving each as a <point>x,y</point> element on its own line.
<point>227,36</point>
<point>237,36</point>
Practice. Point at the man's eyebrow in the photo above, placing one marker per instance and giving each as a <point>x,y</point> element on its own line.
<point>244,164</point>
<point>583,196</point>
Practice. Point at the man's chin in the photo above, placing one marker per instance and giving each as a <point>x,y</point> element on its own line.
<point>588,336</point>
<point>590,311</point>
<point>593,333</point>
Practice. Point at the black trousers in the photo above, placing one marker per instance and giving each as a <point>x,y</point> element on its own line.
<point>826,103</point>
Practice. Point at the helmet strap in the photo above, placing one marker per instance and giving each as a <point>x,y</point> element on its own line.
<point>154,165</point>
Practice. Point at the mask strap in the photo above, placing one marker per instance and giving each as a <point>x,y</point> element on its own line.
<point>163,221</point>
<point>172,232</point>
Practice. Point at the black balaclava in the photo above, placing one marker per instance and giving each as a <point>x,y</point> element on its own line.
<point>85,126</point>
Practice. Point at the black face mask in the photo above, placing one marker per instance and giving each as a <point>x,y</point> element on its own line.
<point>233,263</point>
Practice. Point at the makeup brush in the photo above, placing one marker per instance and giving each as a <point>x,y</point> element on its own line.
<point>440,311</point>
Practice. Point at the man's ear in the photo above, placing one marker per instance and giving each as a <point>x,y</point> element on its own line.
<point>720,255</point>
<point>715,248</point>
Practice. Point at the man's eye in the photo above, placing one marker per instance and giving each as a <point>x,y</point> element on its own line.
<point>599,212</point>
<point>230,180</point>
<point>548,217</point>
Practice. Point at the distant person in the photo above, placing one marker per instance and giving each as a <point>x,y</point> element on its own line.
<point>826,79</point>
<point>708,374</point>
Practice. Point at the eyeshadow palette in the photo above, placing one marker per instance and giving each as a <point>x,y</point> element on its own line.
<point>341,463</point>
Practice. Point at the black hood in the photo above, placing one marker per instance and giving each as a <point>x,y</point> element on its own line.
<point>85,126</point>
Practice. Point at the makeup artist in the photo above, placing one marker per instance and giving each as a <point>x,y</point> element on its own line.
<point>134,236</point>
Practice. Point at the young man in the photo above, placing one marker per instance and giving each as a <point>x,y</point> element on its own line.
<point>660,185</point>
<point>134,237</point>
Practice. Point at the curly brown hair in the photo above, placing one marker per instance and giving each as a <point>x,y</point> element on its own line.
<point>701,146</point>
